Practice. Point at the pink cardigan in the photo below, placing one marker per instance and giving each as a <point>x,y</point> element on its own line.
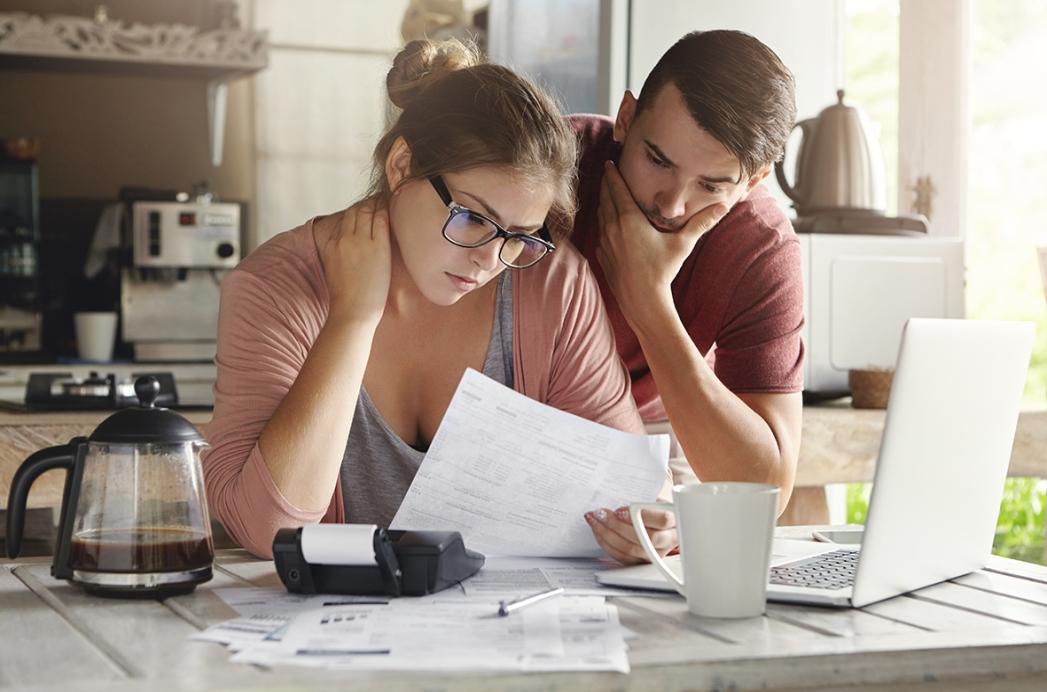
<point>273,306</point>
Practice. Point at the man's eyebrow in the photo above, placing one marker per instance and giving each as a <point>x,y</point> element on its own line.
<point>721,179</point>
<point>493,213</point>
<point>705,178</point>
<point>659,153</point>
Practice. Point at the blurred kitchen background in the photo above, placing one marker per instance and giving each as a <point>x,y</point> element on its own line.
<point>150,144</point>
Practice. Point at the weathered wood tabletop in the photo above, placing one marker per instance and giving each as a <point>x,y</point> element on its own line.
<point>986,630</point>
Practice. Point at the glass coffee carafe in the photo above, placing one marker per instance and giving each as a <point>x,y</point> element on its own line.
<point>134,518</point>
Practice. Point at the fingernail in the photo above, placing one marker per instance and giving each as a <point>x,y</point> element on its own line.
<point>623,514</point>
<point>601,515</point>
<point>721,210</point>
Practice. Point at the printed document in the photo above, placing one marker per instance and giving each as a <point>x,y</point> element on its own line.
<point>265,612</point>
<point>566,633</point>
<point>516,476</point>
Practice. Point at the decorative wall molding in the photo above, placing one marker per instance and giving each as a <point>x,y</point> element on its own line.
<point>66,36</point>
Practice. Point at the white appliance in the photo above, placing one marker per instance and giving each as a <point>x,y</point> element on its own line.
<point>186,234</point>
<point>860,289</point>
<point>170,290</point>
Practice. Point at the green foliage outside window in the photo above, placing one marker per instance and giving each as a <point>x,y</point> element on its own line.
<point>1019,531</point>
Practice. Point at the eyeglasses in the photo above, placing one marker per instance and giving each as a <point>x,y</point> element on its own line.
<point>467,228</point>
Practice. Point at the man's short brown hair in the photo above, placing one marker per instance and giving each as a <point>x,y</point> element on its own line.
<point>735,87</point>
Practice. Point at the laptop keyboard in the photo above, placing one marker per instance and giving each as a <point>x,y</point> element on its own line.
<point>833,570</point>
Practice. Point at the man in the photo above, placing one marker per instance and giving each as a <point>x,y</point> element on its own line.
<point>698,265</point>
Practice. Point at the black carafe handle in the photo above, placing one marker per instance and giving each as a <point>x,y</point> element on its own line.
<point>61,457</point>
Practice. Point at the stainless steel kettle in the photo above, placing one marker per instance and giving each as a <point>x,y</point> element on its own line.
<point>839,167</point>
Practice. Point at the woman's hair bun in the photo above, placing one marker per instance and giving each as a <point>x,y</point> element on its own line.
<point>422,62</point>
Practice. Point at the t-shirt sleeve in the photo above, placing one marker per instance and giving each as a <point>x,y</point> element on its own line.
<point>587,376</point>
<point>760,348</point>
<point>258,359</point>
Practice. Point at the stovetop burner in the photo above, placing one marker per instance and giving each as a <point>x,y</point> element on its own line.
<point>60,391</point>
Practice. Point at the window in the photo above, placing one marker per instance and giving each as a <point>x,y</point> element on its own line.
<point>320,107</point>
<point>917,69</point>
<point>871,76</point>
<point>1006,207</point>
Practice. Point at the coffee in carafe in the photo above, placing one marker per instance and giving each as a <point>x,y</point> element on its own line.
<point>134,517</point>
<point>141,550</point>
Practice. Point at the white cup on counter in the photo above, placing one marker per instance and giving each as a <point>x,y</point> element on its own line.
<point>726,532</point>
<point>95,335</point>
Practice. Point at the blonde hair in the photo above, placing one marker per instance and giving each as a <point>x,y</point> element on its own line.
<point>458,112</point>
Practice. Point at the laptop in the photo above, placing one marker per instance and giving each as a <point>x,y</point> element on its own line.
<point>946,446</point>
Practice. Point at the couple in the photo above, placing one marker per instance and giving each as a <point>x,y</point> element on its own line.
<point>341,342</point>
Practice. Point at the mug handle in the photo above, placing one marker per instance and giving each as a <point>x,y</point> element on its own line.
<point>635,512</point>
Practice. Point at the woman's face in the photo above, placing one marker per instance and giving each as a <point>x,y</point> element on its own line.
<point>442,271</point>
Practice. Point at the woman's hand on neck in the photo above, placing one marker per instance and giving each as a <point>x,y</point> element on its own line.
<point>357,262</point>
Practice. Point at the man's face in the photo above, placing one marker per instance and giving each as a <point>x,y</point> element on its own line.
<point>673,167</point>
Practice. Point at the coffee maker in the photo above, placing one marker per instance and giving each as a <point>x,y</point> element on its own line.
<point>172,274</point>
<point>134,519</point>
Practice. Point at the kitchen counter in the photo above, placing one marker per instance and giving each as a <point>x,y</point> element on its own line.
<point>194,381</point>
<point>840,445</point>
<point>21,434</point>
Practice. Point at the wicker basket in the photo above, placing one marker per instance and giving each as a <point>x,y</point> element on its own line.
<point>870,388</point>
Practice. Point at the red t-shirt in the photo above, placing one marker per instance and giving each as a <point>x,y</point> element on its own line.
<point>739,294</point>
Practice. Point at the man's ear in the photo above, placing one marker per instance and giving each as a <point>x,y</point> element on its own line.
<point>626,113</point>
<point>397,163</point>
<point>758,177</point>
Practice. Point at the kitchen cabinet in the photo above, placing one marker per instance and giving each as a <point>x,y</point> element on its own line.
<point>100,45</point>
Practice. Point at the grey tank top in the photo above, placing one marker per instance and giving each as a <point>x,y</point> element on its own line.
<point>378,466</point>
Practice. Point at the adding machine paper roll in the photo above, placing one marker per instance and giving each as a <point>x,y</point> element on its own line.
<point>339,544</point>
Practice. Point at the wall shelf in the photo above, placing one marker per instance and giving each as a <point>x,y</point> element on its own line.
<point>65,43</point>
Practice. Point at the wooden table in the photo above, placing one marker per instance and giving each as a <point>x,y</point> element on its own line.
<point>984,631</point>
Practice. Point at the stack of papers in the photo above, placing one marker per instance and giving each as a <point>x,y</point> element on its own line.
<point>451,631</point>
<point>515,477</point>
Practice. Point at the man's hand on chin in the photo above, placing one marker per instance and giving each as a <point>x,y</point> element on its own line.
<point>638,260</point>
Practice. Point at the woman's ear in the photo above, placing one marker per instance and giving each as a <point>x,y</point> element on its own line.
<point>397,164</point>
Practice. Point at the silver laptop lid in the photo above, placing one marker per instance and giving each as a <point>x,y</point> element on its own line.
<point>951,418</point>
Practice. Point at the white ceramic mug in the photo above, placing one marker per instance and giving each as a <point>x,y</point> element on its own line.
<point>95,334</point>
<point>726,530</point>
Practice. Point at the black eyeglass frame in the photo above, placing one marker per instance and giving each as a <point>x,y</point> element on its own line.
<point>454,209</point>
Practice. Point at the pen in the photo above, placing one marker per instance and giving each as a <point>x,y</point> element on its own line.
<point>506,607</point>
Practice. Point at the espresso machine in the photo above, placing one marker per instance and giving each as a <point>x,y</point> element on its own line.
<point>171,279</point>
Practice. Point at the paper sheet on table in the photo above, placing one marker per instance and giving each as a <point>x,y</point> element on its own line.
<point>516,576</point>
<point>515,476</point>
<point>566,633</point>
<point>265,612</point>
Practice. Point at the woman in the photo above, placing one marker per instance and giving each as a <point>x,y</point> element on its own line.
<point>358,326</point>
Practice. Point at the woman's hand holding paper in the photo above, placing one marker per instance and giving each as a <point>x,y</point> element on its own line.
<point>613,530</point>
